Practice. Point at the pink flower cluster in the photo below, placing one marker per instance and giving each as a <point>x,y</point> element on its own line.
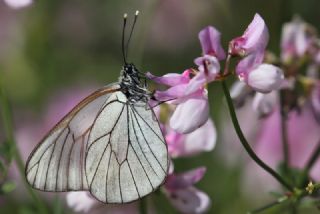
<point>188,90</point>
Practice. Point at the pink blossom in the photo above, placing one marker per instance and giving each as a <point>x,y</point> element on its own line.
<point>191,114</point>
<point>251,45</point>
<point>17,4</point>
<point>211,43</point>
<point>296,39</point>
<point>192,109</point>
<point>83,202</point>
<point>264,104</point>
<point>265,78</point>
<point>200,140</point>
<point>183,196</point>
<point>254,38</point>
<point>80,201</point>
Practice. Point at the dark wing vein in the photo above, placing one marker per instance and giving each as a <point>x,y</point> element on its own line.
<point>147,142</point>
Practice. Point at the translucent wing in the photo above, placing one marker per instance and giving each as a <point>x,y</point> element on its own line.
<point>127,155</point>
<point>57,163</point>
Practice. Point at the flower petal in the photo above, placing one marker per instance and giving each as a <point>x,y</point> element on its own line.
<point>210,42</point>
<point>80,201</point>
<point>264,104</point>
<point>184,180</point>
<point>190,115</point>
<point>171,79</point>
<point>249,62</point>
<point>190,200</point>
<point>200,140</point>
<point>265,78</point>
<point>254,38</point>
<point>209,68</point>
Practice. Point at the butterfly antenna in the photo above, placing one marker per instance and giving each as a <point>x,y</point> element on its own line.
<point>131,32</point>
<point>122,42</point>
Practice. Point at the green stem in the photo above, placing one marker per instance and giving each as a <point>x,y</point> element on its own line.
<point>143,206</point>
<point>270,205</point>
<point>245,143</point>
<point>313,158</point>
<point>284,131</point>
<point>14,152</point>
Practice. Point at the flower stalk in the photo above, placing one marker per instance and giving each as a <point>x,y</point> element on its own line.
<point>245,143</point>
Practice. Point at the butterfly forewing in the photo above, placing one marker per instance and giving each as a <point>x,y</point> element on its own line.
<point>57,163</point>
<point>127,155</point>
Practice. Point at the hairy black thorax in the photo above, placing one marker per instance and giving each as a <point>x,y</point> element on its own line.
<point>131,84</point>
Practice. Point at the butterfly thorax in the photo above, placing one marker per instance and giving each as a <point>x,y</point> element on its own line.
<point>131,84</point>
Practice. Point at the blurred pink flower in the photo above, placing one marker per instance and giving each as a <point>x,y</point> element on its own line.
<point>183,195</point>
<point>83,202</point>
<point>17,4</point>
<point>254,39</point>
<point>296,39</point>
<point>303,137</point>
<point>201,140</point>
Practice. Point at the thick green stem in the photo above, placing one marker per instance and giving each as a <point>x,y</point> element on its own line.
<point>245,143</point>
<point>14,152</point>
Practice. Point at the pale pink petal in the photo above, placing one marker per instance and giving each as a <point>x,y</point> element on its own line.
<point>172,93</point>
<point>171,79</point>
<point>254,38</point>
<point>17,4</point>
<point>184,180</point>
<point>190,200</point>
<point>190,115</point>
<point>239,93</point>
<point>210,42</point>
<point>80,201</point>
<point>264,104</point>
<point>249,63</point>
<point>200,140</point>
<point>209,68</point>
<point>265,78</point>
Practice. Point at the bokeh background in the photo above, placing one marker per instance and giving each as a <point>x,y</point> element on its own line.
<point>52,52</point>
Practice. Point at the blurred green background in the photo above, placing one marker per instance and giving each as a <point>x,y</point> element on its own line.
<point>51,46</point>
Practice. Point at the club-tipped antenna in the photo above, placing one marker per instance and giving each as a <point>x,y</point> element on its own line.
<point>123,35</point>
<point>131,32</point>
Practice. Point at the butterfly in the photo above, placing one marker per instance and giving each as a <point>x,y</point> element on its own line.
<point>109,144</point>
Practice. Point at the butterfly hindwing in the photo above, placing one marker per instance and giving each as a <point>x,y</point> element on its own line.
<point>127,154</point>
<point>57,163</point>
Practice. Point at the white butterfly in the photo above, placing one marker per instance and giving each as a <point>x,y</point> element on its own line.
<point>110,144</point>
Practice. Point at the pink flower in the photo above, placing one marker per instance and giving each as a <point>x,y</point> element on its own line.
<point>303,137</point>
<point>183,196</point>
<point>17,4</point>
<point>201,140</point>
<point>211,43</point>
<point>296,39</point>
<point>80,201</point>
<point>84,203</point>
<point>191,114</point>
<point>251,45</point>
<point>192,109</point>
<point>254,38</point>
